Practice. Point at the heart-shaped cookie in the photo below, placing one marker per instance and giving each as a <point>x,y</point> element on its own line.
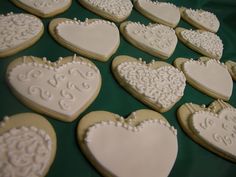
<point>62,89</point>
<point>231,65</point>
<point>160,12</point>
<point>155,39</point>
<point>204,42</point>
<point>18,32</point>
<point>43,8</point>
<point>201,19</point>
<point>207,75</point>
<point>27,145</point>
<point>114,10</point>
<point>94,38</point>
<point>118,147</point>
<point>157,84</point>
<point>213,127</point>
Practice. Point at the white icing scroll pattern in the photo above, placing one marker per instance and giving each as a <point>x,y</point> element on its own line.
<point>17,28</point>
<point>24,151</point>
<point>219,130</point>
<point>119,8</point>
<point>64,89</point>
<point>45,6</point>
<point>32,74</point>
<point>163,86</point>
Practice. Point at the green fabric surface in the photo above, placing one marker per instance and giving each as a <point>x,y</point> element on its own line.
<point>193,160</point>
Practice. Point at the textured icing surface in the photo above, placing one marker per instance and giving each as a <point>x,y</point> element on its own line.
<point>163,86</point>
<point>212,75</point>
<point>89,36</point>
<point>65,89</point>
<point>117,8</point>
<point>207,41</point>
<point>205,18</point>
<point>16,29</point>
<point>165,11</point>
<point>155,36</point>
<point>218,130</point>
<point>153,142</point>
<point>46,6</point>
<point>24,151</point>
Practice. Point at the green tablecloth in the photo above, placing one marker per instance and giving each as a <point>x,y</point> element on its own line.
<point>193,160</point>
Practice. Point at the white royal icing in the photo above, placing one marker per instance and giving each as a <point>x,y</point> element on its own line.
<point>218,130</point>
<point>24,151</point>
<point>163,86</point>
<point>205,18</point>
<point>207,41</point>
<point>16,29</point>
<point>98,37</point>
<point>117,8</point>
<point>46,6</point>
<point>158,37</point>
<point>211,75</point>
<point>165,11</point>
<point>149,149</point>
<point>65,89</point>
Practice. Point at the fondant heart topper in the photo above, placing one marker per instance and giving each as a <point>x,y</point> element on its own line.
<point>213,127</point>
<point>116,146</point>
<point>62,89</point>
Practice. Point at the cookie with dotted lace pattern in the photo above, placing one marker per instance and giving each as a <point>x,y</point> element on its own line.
<point>231,68</point>
<point>155,39</point>
<point>18,32</point>
<point>213,127</point>
<point>61,89</point>
<point>86,37</point>
<point>28,145</point>
<point>157,84</point>
<point>114,10</point>
<point>108,139</point>
<point>201,19</point>
<point>208,76</point>
<point>203,42</point>
<point>44,8</point>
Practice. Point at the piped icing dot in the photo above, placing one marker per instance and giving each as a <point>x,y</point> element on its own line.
<point>24,151</point>
<point>207,41</point>
<point>163,86</point>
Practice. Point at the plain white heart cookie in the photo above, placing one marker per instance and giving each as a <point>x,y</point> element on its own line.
<point>62,90</point>
<point>213,127</point>
<point>201,19</point>
<point>209,76</point>
<point>27,145</point>
<point>118,147</point>
<point>43,8</point>
<point>204,42</point>
<point>160,12</point>
<point>157,84</point>
<point>17,32</point>
<point>86,37</point>
<point>155,39</point>
<point>114,10</point>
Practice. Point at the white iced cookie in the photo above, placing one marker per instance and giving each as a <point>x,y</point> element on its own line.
<point>144,137</point>
<point>62,89</point>
<point>43,8</point>
<point>155,39</point>
<point>207,75</point>
<point>159,12</point>
<point>27,145</point>
<point>18,32</point>
<point>204,42</point>
<point>201,19</point>
<point>93,38</point>
<point>231,65</point>
<point>157,84</point>
<point>114,10</point>
<point>213,127</point>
